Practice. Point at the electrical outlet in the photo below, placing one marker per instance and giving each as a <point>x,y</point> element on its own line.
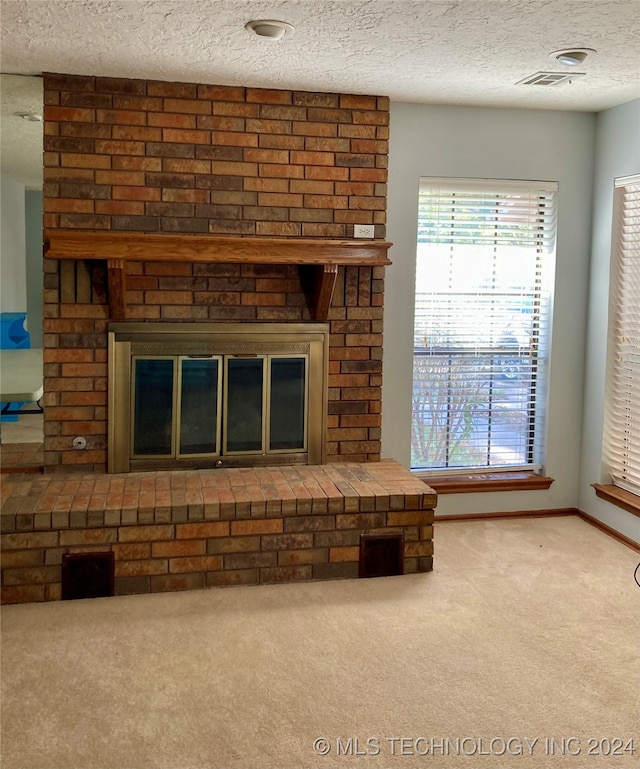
<point>363,231</point>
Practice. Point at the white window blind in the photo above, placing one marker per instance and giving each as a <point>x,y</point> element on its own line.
<point>485,261</point>
<point>623,382</point>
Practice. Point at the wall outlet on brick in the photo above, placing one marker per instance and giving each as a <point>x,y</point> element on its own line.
<point>363,231</point>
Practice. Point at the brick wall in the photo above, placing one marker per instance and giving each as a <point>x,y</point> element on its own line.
<point>133,155</point>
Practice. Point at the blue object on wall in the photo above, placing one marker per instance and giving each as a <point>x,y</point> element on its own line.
<point>13,336</point>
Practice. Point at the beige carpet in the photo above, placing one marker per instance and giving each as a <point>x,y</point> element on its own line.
<point>527,629</point>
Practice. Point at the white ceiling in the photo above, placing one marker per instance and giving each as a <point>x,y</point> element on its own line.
<point>470,52</point>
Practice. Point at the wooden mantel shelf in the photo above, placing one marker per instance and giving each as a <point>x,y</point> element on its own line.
<point>318,259</point>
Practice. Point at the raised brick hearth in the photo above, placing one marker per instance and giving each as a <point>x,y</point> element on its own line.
<point>173,171</point>
<point>191,529</point>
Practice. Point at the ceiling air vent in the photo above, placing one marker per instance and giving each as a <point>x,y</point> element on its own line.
<point>550,78</point>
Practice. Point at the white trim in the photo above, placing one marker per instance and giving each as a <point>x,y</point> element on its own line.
<point>623,181</point>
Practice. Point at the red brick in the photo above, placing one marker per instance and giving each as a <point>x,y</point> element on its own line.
<point>319,230</point>
<point>367,203</point>
<point>326,201</point>
<point>106,147</point>
<point>278,228</point>
<point>136,193</point>
<point>173,549</point>
<point>145,533</point>
<point>122,116</point>
<point>34,575</point>
<point>129,178</point>
<point>279,199</point>
<point>410,518</point>
<point>236,110</point>
<point>348,101</point>
<point>189,106</point>
<point>368,174</point>
<point>327,172</point>
<point>186,166</point>
<point>202,530</point>
<point>220,122</point>
<point>217,93</point>
<point>282,141</point>
<point>84,160</point>
<point>371,118</point>
<point>257,526</point>
<point>268,96</point>
<point>87,537</point>
<point>281,170</point>
<point>185,136</point>
<point>342,554</point>
<point>280,112</point>
<point>165,582</point>
<point>323,144</point>
<point>234,169</point>
<point>29,540</point>
<point>137,133</point>
<point>140,568</point>
<point>268,126</point>
<point>22,594</point>
<point>234,139</point>
<point>169,120</point>
<point>125,163</point>
<point>313,158</point>
<point>195,563</point>
<point>69,114</point>
<point>144,103</point>
<point>266,156</point>
<point>136,551</point>
<point>120,207</point>
<point>61,205</point>
<point>315,129</point>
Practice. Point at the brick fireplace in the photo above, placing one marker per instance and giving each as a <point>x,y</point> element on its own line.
<point>177,204</point>
<point>179,159</point>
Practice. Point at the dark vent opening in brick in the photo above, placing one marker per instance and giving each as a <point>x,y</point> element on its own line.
<point>87,575</point>
<point>381,555</point>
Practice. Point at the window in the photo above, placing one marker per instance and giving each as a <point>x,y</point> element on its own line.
<point>622,434</point>
<point>485,264</point>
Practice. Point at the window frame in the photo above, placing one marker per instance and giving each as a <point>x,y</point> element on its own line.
<point>618,492</point>
<point>496,478</point>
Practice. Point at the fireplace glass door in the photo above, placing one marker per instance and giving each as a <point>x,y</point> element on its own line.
<point>218,405</point>
<point>205,395</point>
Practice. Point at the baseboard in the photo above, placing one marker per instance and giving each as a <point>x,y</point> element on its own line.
<point>544,514</point>
<point>511,514</point>
<point>608,530</point>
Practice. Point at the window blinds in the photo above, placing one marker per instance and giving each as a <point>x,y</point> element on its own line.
<point>623,382</point>
<point>484,274</point>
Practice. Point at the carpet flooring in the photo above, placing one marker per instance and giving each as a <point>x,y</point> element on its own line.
<point>520,650</point>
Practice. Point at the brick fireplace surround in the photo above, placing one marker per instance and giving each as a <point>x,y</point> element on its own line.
<point>134,156</point>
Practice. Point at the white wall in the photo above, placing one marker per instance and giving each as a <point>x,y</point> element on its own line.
<point>503,144</point>
<point>13,281</point>
<point>617,154</point>
<point>34,267</point>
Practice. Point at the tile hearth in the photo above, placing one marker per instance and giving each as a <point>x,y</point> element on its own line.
<point>185,529</point>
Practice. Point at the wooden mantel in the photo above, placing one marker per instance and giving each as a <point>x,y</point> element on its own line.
<point>318,259</point>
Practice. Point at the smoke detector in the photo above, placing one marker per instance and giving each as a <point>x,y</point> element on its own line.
<point>269,28</point>
<point>30,117</point>
<point>571,56</point>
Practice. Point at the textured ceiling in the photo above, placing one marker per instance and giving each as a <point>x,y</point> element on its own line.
<point>470,52</point>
